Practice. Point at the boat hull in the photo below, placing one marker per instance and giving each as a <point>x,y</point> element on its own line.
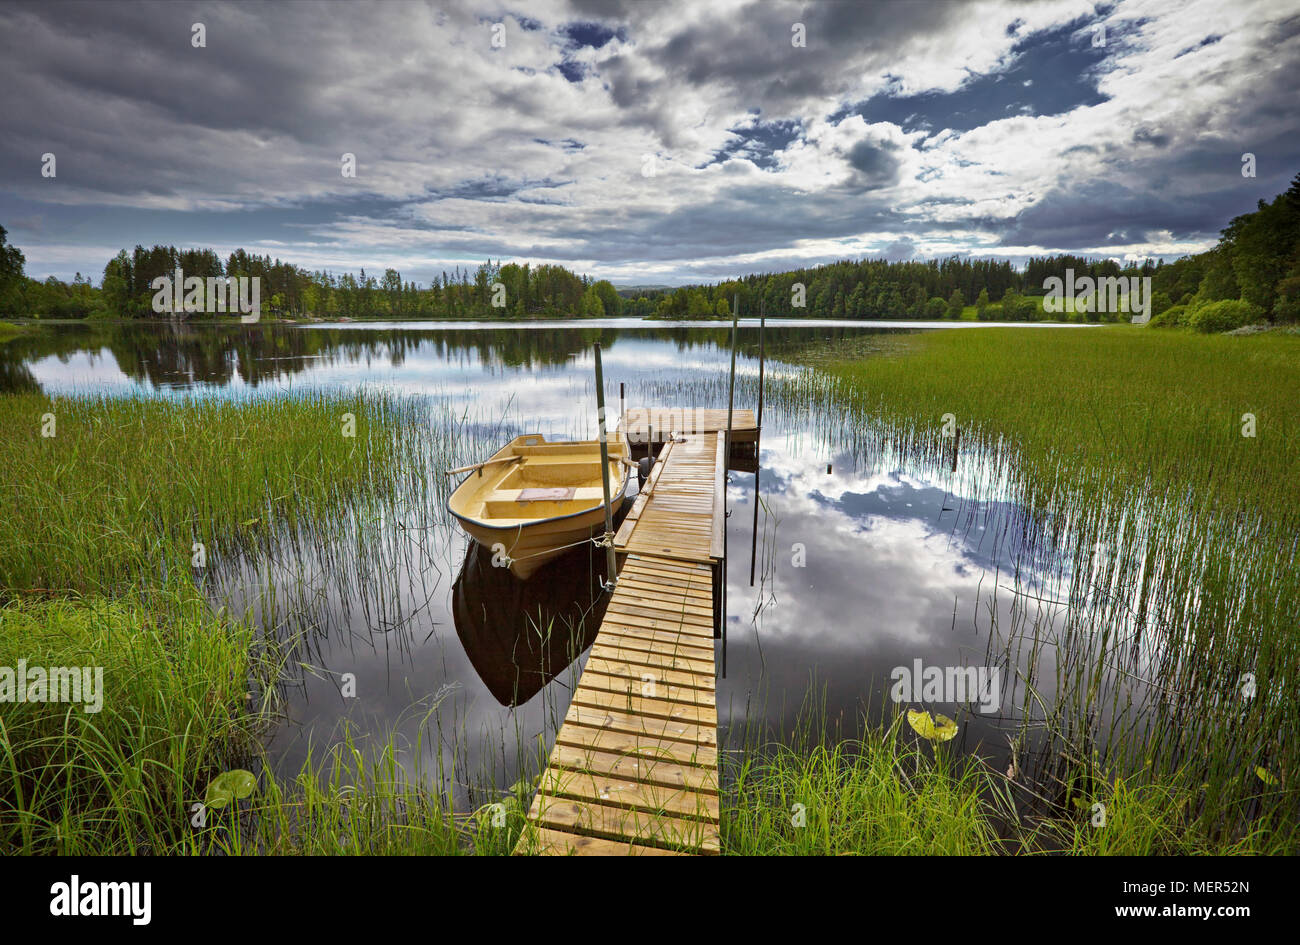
<point>534,500</point>
<point>528,547</point>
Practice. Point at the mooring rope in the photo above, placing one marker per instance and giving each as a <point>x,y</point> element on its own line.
<point>602,542</point>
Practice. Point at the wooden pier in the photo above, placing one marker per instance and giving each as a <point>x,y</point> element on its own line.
<point>653,426</point>
<point>634,769</point>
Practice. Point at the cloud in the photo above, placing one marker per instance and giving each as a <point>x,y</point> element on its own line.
<point>990,128</point>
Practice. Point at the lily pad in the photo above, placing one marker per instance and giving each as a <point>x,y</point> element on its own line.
<point>229,786</point>
<point>937,729</point>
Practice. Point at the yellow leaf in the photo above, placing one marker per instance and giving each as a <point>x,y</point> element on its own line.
<point>939,729</point>
<point>1264,775</point>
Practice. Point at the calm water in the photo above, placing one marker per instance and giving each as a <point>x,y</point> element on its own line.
<point>866,562</point>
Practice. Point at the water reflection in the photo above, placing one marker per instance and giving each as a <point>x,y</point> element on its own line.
<point>160,356</point>
<point>519,635</point>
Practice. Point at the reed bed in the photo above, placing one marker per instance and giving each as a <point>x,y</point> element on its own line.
<point>106,493</point>
<point>1116,461</point>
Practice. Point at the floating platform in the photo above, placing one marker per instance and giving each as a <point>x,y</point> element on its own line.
<point>651,427</point>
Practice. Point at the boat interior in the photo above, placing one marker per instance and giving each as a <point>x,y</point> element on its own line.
<point>547,480</point>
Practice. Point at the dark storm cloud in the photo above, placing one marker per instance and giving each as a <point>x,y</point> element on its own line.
<point>1099,212</point>
<point>877,164</point>
<point>748,55</point>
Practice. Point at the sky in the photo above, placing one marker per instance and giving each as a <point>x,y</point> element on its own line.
<point>641,142</point>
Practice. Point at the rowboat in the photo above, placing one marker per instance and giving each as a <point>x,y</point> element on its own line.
<point>533,500</point>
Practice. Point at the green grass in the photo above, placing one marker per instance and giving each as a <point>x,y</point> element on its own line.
<point>122,488</point>
<point>175,682</point>
<point>870,797</point>
<point>1178,535</point>
<point>891,794</point>
<point>177,711</point>
<point>8,331</point>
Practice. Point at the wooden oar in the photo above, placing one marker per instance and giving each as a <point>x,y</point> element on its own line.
<point>488,462</point>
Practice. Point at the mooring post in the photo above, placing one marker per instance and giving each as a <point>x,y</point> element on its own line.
<point>726,462</point>
<point>731,387</point>
<point>610,562</point>
<point>758,465</point>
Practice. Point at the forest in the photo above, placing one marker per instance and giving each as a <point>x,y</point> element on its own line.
<point>1252,274</point>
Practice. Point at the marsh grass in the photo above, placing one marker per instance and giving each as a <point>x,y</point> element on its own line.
<point>1170,661</point>
<point>95,569</point>
<point>124,487</point>
<point>875,796</point>
<point>174,712</point>
<point>177,712</point>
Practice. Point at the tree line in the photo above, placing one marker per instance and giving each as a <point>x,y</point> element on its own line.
<point>1255,266</point>
<point>491,290</point>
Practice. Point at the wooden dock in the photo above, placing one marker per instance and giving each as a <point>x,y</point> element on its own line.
<point>653,425</point>
<point>634,769</point>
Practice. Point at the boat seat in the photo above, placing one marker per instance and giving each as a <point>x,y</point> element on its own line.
<point>586,496</point>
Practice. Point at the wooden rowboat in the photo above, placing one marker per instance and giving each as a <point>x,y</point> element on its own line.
<point>533,500</point>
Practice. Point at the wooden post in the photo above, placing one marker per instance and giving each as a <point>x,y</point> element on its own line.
<point>610,562</point>
<point>726,462</point>
<point>731,387</point>
<point>758,464</point>
<point>956,441</point>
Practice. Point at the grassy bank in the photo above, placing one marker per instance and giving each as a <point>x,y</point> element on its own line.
<point>105,500</point>
<point>171,714</point>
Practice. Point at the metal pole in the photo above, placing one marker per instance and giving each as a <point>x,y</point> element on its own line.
<point>758,456</point>
<point>610,562</point>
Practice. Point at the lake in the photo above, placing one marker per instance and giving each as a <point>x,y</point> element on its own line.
<point>869,560</point>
